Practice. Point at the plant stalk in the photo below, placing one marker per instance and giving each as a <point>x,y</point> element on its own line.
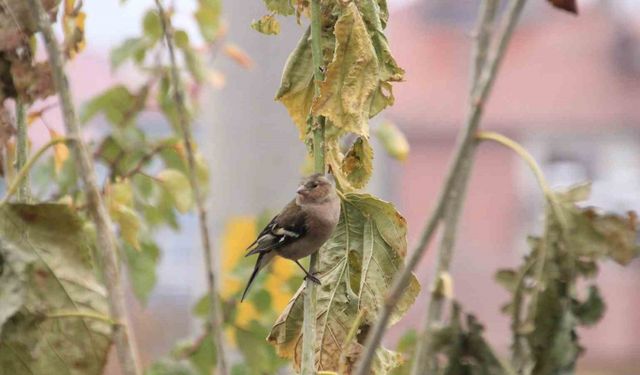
<point>215,311</point>
<point>451,216</point>
<point>23,173</point>
<point>22,150</point>
<point>462,152</point>
<point>307,366</point>
<point>106,241</point>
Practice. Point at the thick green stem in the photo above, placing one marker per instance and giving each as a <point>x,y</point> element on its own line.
<point>105,239</point>
<point>215,310</point>
<point>307,366</point>
<point>22,150</point>
<point>463,152</point>
<point>451,216</point>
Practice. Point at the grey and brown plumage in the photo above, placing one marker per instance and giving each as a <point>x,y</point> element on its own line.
<point>302,226</point>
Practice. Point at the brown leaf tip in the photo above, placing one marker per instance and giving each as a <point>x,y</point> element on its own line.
<point>568,5</point>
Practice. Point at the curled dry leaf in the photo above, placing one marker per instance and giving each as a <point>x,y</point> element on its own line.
<point>238,55</point>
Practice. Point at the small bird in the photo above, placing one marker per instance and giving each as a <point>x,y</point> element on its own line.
<point>302,226</point>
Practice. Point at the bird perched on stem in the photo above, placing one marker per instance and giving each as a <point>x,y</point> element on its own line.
<point>302,226</point>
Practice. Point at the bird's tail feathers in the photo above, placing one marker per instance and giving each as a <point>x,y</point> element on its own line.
<point>261,262</point>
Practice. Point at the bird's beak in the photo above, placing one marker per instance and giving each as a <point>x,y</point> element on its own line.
<point>301,190</point>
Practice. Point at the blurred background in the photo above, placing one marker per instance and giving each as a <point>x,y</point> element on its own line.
<point>569,91</point>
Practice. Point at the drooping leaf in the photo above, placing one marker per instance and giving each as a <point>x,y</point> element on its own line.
<point>54,257</point>
<point>178,187</point>
<point>122,212</point>
<point>393,140</point>
<point>17,24</point>
<point>356,268</point>
<point>296,88</point>
<point>31,81</point>
<point>268,25</point>
<point>595,234</point>
<point>375,15</point>
<point>358,163</point>
<point>351,77</point>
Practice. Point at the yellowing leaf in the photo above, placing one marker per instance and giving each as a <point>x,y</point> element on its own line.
<point>60,151</point>
<point>268,25</point>
<point>393,141</point>
<point>282,7</point>
<point>238,234</point>
<point>296,88</point>
<point>351,78</point>
<point>50,273</point>
<point>356,268</point>
<point>178,187</point>
<point>129,223</point>
<point>73,28</point>
<point>245,314</point>
<point>358,163</point>
<point>238,55</point>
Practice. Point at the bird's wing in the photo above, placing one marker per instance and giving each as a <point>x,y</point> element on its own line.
<point>283,229</point>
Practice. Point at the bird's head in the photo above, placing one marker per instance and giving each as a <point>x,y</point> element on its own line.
<point>316,189</point>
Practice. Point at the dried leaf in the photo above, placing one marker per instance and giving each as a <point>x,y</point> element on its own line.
<point>73,28</point>
<point>32,81</point>
<point>356,268</point>
<point>282,7</point>
<point>17,24</point>
<point>60,151</point>
<point>268,25</point>
<point>53,257</point>
<point>357,164</point>
<point>351,77</point>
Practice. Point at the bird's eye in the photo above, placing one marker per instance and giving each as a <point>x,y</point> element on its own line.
<point>313,185</point>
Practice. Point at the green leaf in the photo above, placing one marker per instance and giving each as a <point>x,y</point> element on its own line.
<point>393,140</point>
<point>152,26</point>
<point>131,49</point>
<point>351,78</point>
<point>283,7</point>
<point>356,268</point>
<point>592,309</point>
<point>508,279</point>
<point>208,17</point>
<point>204,357</point>
<point>358,163</point>
<point>55,276</point>
<point>142,266</point>
<point>191,56</point>
<point>118,104</point>
<point>178,187</point>
<point>268,25</point>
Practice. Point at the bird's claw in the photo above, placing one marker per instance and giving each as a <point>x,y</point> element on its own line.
<point>312,278</point>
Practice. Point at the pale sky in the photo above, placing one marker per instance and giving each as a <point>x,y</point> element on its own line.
<point>102,34</point>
